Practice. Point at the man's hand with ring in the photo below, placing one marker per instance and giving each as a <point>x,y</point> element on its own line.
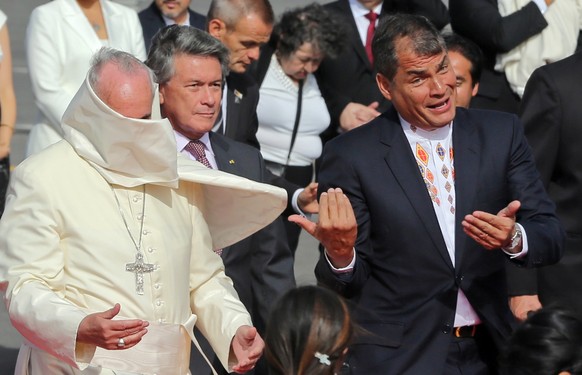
<point>101,330</point>
<point>492,231</point>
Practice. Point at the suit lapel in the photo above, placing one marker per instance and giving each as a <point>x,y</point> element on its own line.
<point>78,23</point>
<point>221,155</point>
<point>355,40</point>
<point>115,22</point>
<point>467,161</point>
<point>233,103</point>
<point>403,166</point>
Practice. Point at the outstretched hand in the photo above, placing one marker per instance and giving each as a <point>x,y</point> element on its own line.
<point>101,330</point>
<point>336,227</point>
<point>492,231</point>
<point>247,346</point>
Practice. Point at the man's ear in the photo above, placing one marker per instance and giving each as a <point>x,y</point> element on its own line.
<point>161,91</point>
<point>216,28</point>
<point>384,85</point>
<point>475,89</point>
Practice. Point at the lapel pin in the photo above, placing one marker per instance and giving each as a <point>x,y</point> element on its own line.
<point>231,161</point>
<point>238,96</point>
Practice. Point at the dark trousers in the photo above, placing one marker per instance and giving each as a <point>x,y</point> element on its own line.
<point>472,355</point>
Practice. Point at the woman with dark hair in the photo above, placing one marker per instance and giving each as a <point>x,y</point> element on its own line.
<point>549,342</point>
<point>308,333</point>
<point>291,111</point>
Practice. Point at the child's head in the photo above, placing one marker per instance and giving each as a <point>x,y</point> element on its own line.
<point>308,332</point>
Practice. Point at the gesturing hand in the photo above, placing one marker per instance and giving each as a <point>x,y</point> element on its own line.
<point>336,228</point>
<point>101,330</point>
<point>492,231</point>
<point>247,346</point>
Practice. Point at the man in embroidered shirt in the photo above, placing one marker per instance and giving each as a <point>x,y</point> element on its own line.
<point>437,192</point>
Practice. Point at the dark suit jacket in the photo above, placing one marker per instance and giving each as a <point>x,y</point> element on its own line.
<point>551,116</point>
<point>242,99</point>
<point>404,283</point>
<point>260,266</point>
<point>480,21</point>
<point>350,77</point>
<point>151,21</point>
<point>242,123</point>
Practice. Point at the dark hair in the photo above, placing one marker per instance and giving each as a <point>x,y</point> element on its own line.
<point>175,40</point>
<point>424,38</point>
<point>307,327</point>
<point>467,49</point>
<point>231,11</point>
<point>548,342</point>
<point>310,24</point>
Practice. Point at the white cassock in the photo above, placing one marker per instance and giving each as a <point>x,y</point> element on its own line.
<point>65,244</point>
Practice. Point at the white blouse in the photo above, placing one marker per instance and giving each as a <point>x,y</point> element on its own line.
<point>276,112</point>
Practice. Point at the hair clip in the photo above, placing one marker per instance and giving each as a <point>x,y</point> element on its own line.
<point>323,358</point>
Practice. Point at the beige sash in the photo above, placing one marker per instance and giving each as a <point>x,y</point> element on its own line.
<point>164,350</point>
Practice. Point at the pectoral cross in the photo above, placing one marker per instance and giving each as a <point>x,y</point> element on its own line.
<point>139,267</point>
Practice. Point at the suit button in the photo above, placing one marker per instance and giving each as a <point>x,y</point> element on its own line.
<point>459,279</point>
<point>446,329</point>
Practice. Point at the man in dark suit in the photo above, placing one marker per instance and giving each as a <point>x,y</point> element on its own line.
<point>481,22</point>
<point>161,13</point>
<point>348,82</point>
<point>189,65</point>
<point>243,26</point>
<point>443,198</point>
<point>551,116</point>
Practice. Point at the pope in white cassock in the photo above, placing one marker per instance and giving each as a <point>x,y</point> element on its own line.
<point>107,240</point>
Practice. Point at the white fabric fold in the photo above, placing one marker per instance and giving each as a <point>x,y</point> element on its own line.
<point>125,151</point>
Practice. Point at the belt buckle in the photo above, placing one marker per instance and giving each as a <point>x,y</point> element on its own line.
<point>459,331</point>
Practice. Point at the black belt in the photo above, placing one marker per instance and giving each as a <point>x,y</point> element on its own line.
<point>465,331</point>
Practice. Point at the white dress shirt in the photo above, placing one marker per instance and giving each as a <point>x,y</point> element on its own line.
<point>359,12</point>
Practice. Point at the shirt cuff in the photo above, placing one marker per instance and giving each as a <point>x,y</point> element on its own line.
<point>542,5</point>
<point>295,205</point>
<point>347,269</point>
<point>524,247</point>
